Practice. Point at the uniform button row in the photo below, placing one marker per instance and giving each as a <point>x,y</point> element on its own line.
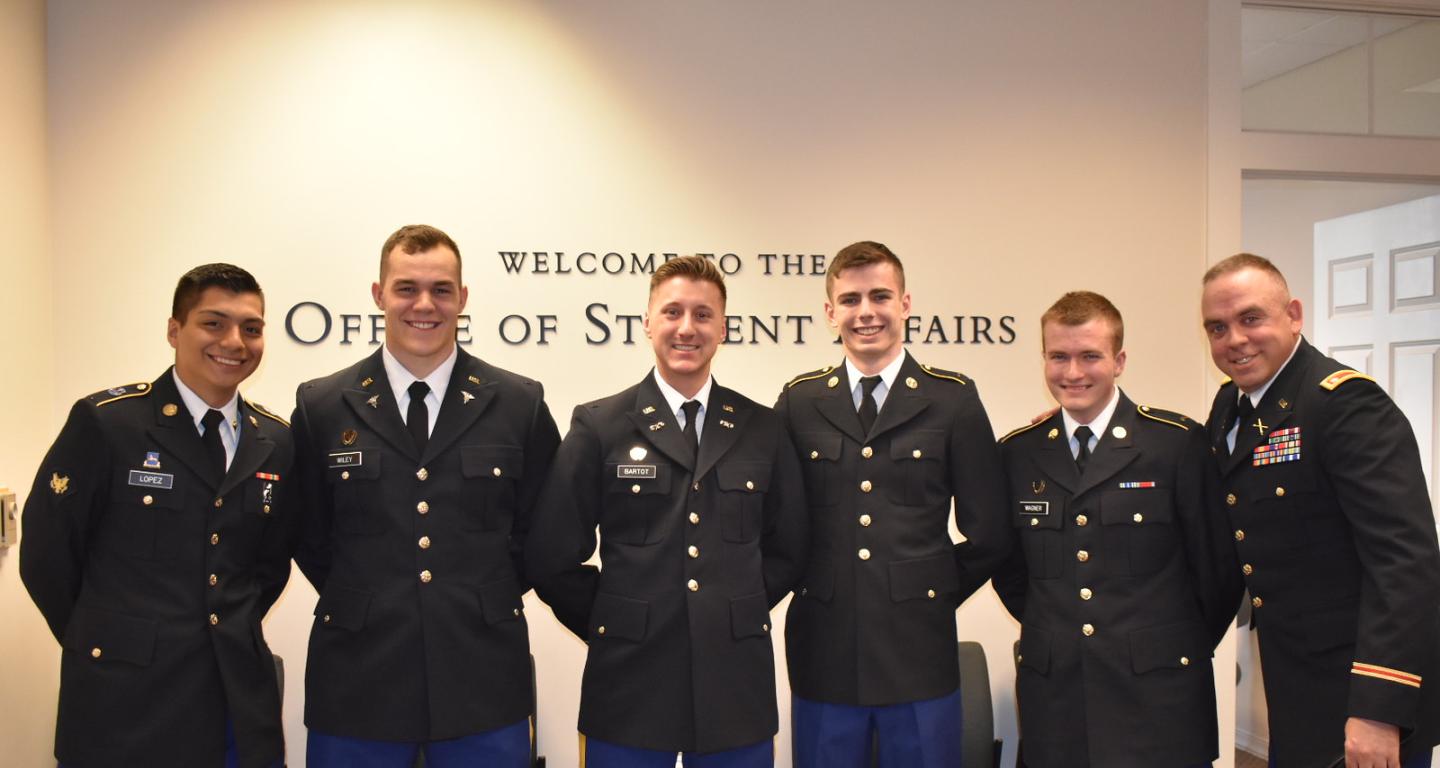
<point>865,486</point>
<point>1087,629</point>
<point>1085,593</point>
<point>1082,556</point>
<point>426,576</point>
<point>214,579</point>
<point>423,507</point>
<point>693,551</point>
<point>1082,520</point>
<point>864,521</point>
<point>867,452</point>
<point>422,474</point>
<point>864,553</point>
<point>692,585</point>
<point>1247,569</point>
<point>694,518</point>
<point>424,542</point>
<point>1239,535</point>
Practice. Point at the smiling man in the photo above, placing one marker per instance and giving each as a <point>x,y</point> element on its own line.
<point>418,468</point>
<point>696,492</point>
<point>1123,578</point>
<point>887,445</point>
<point>157,535</point>
<point>1333,525</point>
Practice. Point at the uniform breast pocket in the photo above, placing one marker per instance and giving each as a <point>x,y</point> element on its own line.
<point>142,521</point>
<point>1140,523</point>
<point>920,458</point>
<point>354,478</point>
<point>742,485</point>
<point>636,496</point>
<point>819,454</point>
<point>1039,520</point>
<point>491,474</point>
<point>262,497</point>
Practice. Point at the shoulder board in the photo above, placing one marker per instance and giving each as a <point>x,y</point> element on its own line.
<point>263,411</point>
<point>810,375</point>
<point>1165,417</point>
<point>1225,381</point>
<point>1340,377</point>
<point>948,375</point>
<point>125,392</point>
<point>1025,428</point>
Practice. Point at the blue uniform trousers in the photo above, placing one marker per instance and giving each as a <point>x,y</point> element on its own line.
<point>918,734</point>
<point>595,753</point>
<point>507,747</point>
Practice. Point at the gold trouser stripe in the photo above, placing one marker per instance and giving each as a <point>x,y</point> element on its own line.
<point>582,750</point>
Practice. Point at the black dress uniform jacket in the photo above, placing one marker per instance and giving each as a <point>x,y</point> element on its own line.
<point>1333,526</point>
<point>419,633</point>
<point>873,623</point>
<point>695,552</point>
<point>1124,581</point>
<point>154,573</point>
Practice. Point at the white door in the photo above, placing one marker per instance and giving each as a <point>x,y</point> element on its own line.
<point>1377,309</point>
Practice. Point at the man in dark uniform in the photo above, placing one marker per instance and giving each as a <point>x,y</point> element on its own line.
<point>886,445</point>
<point>1334,530</point>
<point>1123,579</point>
<point>697,495</point>
<point>157,535</point>
<point>418,468</point>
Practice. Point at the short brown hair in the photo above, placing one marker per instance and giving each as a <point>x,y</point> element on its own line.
<point>691,268</point>
<point>1241,261</point>
<point>862,254</point>
<point>416,238</point>
<point>193,283</point>
<point>1079,308</point>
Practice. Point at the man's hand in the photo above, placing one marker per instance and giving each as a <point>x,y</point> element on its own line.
<point>1371,744</point>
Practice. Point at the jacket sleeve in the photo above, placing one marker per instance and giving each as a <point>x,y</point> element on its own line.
<point>1204,526</point>
<point>69,494</point>
<point>542,439</point>
<point>1012,578</point>
<point>977,482</point>
<point>315,507</point>
<point>785,539</point>
<point>278,543</point>
<point>562,535</point>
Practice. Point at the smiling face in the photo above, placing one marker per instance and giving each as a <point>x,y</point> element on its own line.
<point>219,343</point>
<point>1081,366</point>
<point>685,323</point>
<point>1252,324</point>
<point>421,297</point>
<point>868,306</point>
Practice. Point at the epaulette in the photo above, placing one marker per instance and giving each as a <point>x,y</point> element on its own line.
<point>138,389</point>
<point>1340,377</point>
<point>939,374</point>
<point>1225,381</point>
<point>1025,428</point>
<point>1165,417</point>
<point>810,375</point>
<point>263,411</point>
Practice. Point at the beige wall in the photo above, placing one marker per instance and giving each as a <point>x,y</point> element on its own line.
<point>1008,152</point>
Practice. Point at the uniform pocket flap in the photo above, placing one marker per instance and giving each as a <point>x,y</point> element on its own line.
<point>819,582</point>
<point>1330,628</point>
<point>106,636</point>
<point>743,476</point>
<point>926,577</point>
<point>343,607</point>
<point>750,616</point>
<point>345,465</point>
<point>616,617</point>
<point>1034,650</point>
<point>498,461</point>
<point>1035,512</point>
<point>1171,645</point>
<point>501,601</point>
<point>819,446</point>
<point>921,445</point>
<point>1136,506</point>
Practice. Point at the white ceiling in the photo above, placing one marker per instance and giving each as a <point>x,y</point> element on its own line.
<point>1275,41</point>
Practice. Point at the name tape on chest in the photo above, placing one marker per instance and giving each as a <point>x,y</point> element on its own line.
<point>346,459</point>
<point>1034,507</point>
<point>143,479</point>
<point>1281,445</point>
<point>636,472</point>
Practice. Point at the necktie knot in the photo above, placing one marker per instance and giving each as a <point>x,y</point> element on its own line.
<point>691,409</point>
<point>1082,453</point>
<point>869,383</point>
<point>1245,410</point>
<point>211,420</point>
<point>418,390</point>
<point>417,415</point>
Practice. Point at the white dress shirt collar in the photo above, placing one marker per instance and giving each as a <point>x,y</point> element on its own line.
<point>674,399</point>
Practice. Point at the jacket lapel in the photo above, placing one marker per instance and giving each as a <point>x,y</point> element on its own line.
<point>373,402</point>
<point>467,396</point>
<point>174,429</point>
<point>652,417</point>
<point>725,417</point>
<point>1054,457</point>
<point>903,402</point>
<point>252,451</point>
<point>1272,412</point>
<point>1115,449</point>
<point>838,405</point>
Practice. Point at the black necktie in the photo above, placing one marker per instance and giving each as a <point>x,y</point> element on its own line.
<point>214,447</point>
<point>417,416</point>
<point>692,413</point>
<point>1242,415</point>
<point>868,409</point>
<point>1082,456</point>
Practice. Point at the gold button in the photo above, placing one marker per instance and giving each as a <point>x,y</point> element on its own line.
<point>600,630</point>
<point>265,509</point>
<point>219,503</point>
<point>147,500</point>
<point>692,585</point>
<point>326,618</point>
<point>422,474</point>
<point>814,454</point>
<point>749,485</point>
<point>1085,593</point>
<point>214,539</point>
<point>214,579</point>
<point>424,542</point>
<point>497,472</point>
<point>1184,661</point>
<point>214,619</point>
<point>765,627</point>
<point>1082,556</point>
<point>692,551</point>
<point>1034,521</point>
<point>1230,499</point>
<point>865,486</point>
<point>345,475</point>
<point>864,521</point>
<point>1082,520</point>
<point>930,593</point>
<point>1239,535</point>
<point>635,488</point>
<point>694,518</point>
<point>1139,518</point>
<point>425,576</point>
<point>867,452</point>
<point>864,553</point>
<point>1087,630</point>
<point>1279,490</point>
<point>515,611</point>
<point>1257,602</point>
<point>916,453</point>
<point>1247,569</point>
<point>95,652</point>
<point>423,507</point>
<point>695,486</point>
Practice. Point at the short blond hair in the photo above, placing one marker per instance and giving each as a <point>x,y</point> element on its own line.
<point>1079,308</point>
<point>691,268</point>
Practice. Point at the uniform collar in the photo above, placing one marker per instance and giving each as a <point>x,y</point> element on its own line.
<point>198,407</point>
<point>674,399</point>
<point>887,374</point>
<point>401,378</point>
<point>1098,424</point>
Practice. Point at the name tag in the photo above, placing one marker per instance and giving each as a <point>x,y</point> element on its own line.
<point>152,479</point>
<point>346,459</point>
<point>636,471</point>
<point>1034,507</point>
